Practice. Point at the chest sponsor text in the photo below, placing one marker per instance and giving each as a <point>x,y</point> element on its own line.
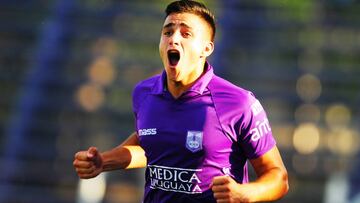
<point>174,179</point>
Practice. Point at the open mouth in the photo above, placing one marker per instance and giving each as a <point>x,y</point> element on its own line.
<point>174,57</point>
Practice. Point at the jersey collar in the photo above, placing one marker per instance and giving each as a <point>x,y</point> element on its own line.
<point>199,86</point>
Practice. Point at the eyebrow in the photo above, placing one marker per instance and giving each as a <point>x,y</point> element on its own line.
<point>169,25</point>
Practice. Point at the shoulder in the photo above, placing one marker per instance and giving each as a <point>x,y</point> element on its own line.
<point>146,85</point>
<point>143,89</point>
<point>226,93</point>
<point>233,106</point>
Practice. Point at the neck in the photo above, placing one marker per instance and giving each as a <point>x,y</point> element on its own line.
<point>177,88</point>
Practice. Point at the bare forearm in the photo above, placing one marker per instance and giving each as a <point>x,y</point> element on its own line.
<point>269,187</point>
<point>272,179</point>
<point>117,158</point>
<point>124,157</point>
<point>127,155</point>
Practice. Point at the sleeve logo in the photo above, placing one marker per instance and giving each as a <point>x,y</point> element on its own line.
<point>261,128</point>
<point>194,141</point>
<point>256,108</point>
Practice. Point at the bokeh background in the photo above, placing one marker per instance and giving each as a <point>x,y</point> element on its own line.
<point>68,67</point>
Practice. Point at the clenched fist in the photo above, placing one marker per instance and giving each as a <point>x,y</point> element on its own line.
<point>227,190</point>
<point>88,164</point>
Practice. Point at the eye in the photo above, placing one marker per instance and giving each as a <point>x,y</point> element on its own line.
<point>167,33</point>
<point>187,34</point>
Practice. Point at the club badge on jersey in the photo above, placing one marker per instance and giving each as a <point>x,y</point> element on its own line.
<point>194,141</point>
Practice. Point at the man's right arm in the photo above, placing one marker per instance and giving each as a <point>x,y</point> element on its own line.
<point>129,154</point>
<point>125,156</point>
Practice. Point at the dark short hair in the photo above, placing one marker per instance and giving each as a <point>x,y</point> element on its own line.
<point>193,7</point>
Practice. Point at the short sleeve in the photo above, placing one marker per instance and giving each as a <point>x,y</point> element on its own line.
<point>254,131</point>
<point>135,99</point>
<point>141,91</point>
<point>135,104</point>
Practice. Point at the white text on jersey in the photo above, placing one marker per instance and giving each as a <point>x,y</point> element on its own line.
<point>256,108</point>
<point>149,131</point>
<point>261,129</point>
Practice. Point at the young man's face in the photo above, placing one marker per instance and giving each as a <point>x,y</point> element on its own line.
<point>184,44</point>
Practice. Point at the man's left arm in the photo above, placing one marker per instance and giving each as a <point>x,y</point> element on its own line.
<point>271,183</point>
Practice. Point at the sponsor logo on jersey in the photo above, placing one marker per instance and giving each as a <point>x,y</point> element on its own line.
<point>261,128</point>
<point>194,141</point>
<point>174,179</point>
<point>148,131</point>
<point>256,108</point>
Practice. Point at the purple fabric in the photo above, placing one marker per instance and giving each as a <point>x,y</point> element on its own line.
<point>210,130</point>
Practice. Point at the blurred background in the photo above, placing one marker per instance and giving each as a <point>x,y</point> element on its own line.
<point>68,67</point>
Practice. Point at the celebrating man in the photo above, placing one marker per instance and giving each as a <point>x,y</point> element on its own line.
<point>195,131</point>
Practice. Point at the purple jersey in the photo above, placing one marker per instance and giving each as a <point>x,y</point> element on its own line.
<point>210,130</point>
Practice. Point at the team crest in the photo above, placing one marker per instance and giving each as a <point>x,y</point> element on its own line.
<point>194,140</point>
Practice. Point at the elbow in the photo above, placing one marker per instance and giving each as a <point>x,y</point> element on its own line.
<point>284,183</point>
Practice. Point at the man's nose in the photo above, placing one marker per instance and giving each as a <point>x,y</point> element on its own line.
<point>175,38</point>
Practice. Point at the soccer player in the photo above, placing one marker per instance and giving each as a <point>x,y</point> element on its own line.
<point>195,131</point>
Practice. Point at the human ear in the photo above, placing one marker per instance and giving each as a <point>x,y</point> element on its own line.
<point>208,49</point>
